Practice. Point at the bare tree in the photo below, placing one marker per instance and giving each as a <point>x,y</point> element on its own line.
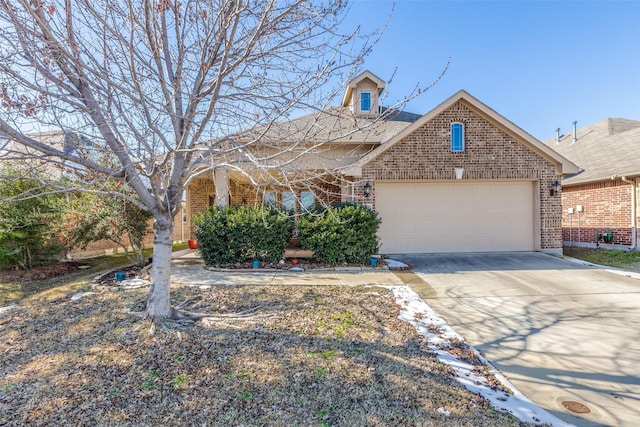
<point>146,80</point>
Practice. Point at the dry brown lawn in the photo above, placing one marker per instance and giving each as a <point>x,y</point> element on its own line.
<point>307,356</point>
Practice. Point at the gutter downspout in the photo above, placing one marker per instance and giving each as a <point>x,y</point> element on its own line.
<point>634,214</point>
<point>634,211</point>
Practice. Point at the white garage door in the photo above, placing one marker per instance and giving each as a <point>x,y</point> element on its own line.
<point>455,217</point>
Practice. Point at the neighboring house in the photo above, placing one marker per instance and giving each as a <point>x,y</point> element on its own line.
<point>601,203</point>
<point>461,178</point>
<point>18,156</point>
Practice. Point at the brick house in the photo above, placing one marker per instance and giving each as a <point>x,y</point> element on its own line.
<point>601,203</point>
<point>460,178</point>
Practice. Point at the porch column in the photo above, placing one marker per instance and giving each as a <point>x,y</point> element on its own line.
<point>346,188</point>
<point>221,181</point>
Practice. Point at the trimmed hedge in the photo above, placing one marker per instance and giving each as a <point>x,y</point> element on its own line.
<point>239,233</point>
<point>345,232</point>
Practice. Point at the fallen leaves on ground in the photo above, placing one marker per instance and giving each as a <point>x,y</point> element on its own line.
<point>39,272</point>
<point>312,356</point>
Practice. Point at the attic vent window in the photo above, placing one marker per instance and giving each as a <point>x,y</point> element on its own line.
<point>457,137</point>
<point>365,101</point>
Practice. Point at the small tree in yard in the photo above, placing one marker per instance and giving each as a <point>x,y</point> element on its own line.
<point>90,218</point>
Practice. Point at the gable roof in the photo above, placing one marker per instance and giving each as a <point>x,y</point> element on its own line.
<point>608,148</point>
<point>564,165</point>
<point>333,125</point>
<point>360,77</point>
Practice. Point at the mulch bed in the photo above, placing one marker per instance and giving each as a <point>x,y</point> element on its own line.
<point>39,272</point>
<point>304,263</point>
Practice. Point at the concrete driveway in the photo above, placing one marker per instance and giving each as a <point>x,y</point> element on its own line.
<point>563,333</point>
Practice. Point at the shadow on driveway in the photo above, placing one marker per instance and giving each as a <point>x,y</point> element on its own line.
<point>450,263</point>
<point>560,331</point>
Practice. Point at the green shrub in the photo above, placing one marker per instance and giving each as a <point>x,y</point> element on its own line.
<point>27,235</point>
<point>90,218</point>
<point>343,233</point>
<point>238,233</point>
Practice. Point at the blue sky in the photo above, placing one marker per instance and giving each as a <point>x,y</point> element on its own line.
<point>541,64</point>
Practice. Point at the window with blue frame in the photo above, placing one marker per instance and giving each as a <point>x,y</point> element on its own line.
<point>365,101</point>
<point>457,137</point>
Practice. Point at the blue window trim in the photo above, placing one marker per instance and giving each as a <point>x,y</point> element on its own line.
<point>365,101</point>
<point>457,137</point>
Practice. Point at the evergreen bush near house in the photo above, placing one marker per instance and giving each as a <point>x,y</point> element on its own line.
<point>27,237</point>
<point>39,225</point>
<point>239,233</point>
<point>345,232</point>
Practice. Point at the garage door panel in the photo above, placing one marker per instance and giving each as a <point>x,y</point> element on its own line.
<point>455,216</point>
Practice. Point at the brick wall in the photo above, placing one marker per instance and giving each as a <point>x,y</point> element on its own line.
<point>490,154</point>
<point>606,208</point>
<point>200,192</point>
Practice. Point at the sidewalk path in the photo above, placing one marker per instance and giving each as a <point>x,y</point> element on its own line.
<point>188,269</point>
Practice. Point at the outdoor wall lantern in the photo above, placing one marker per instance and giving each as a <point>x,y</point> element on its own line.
<point>367,189</point>
<point>555,188</point>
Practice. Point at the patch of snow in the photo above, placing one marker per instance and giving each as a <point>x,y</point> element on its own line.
<point>392,263</point>
<point>80,295</point>
<point>5,310</point>
<point>134,283</point>
<point>444,412</point>
<point>442,337</point>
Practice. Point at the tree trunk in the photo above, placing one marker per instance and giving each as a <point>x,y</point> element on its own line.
<point>159,302</point>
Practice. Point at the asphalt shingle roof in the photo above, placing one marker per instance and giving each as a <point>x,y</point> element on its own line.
<point>335,125</point>
<point>604,149</point>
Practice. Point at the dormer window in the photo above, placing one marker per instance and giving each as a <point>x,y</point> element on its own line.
<point>365,101</point>
<point>363,94</point>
